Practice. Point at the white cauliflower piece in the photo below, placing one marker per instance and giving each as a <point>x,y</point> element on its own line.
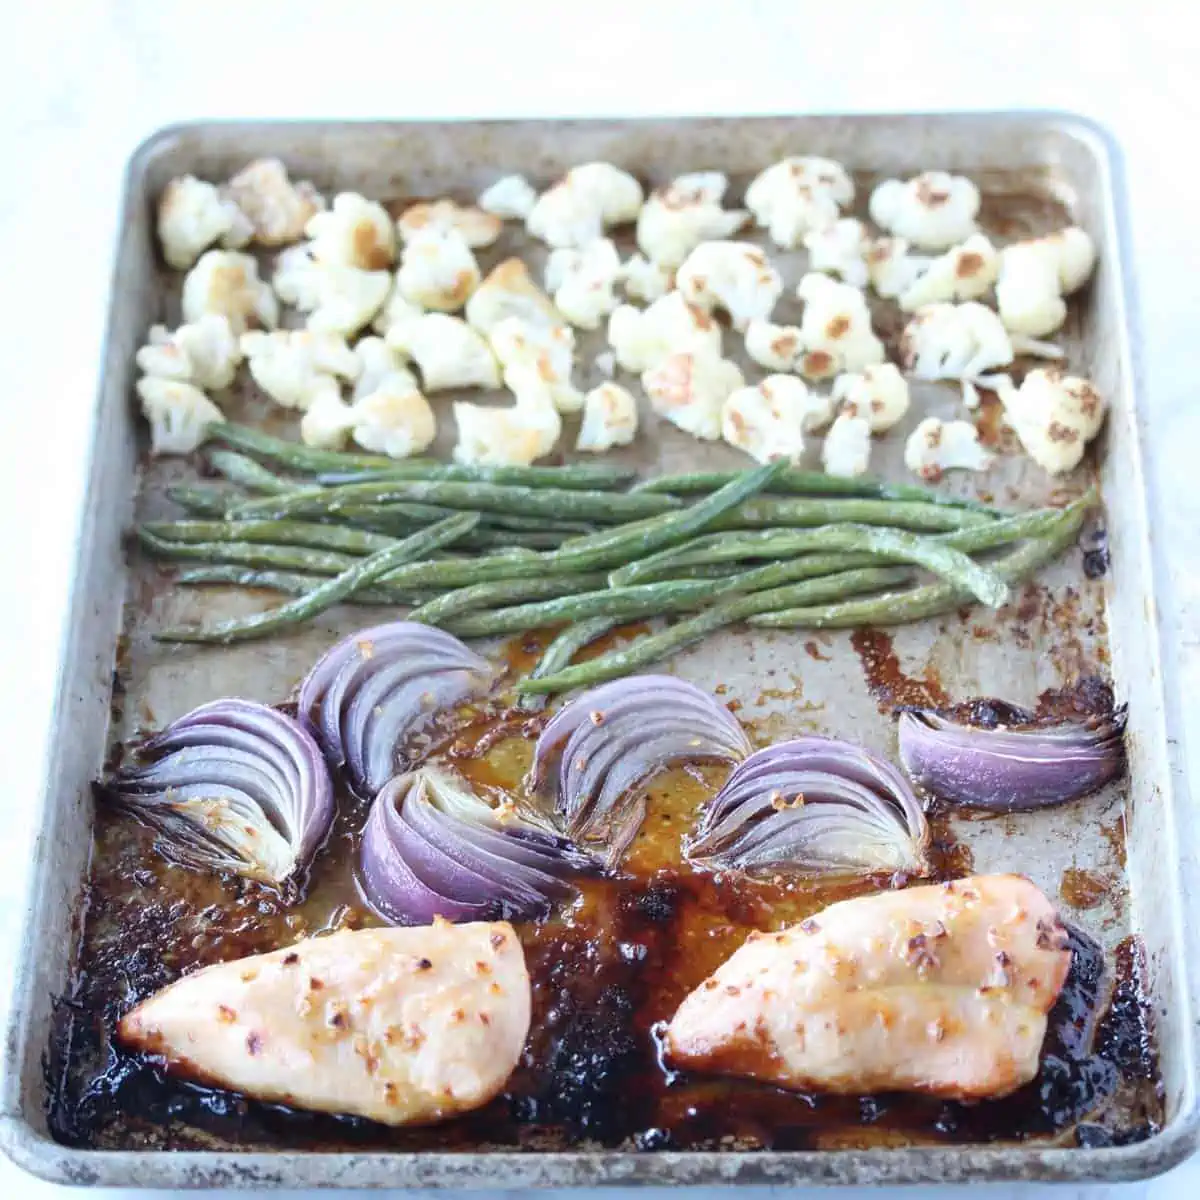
<point>205,353</point>
<point>610,418</point>
<point>964,272</point>
<point>293,365</point>
<point>447,351</point>
<point>847,448</point>
<point>606,363</point>
<point>355,232</point>
<point>840,249</point>
<point>511,198</point>
<point>646,280</point>
<point>933,210</point>
<point>735,276</point>
<point>1036,274</point>
<point>337,299</point>
<point>891,268</point>
<point>677,218</point>
<point>587,200</point>
<point>1054,416</point>
<point>544,351</point>
<point>690,389</point>
<point>224,283</point>
<point>192,215</point>
<point>440,217</point>
<point>277,209</point>
<point>954,341</point>
<point>438,271</point>
<point>395,311</point>
<point>776,347</point>
<point>935,447</point>
<point>799,194</point>
<point>835,331</point>
<point>514,436</point>
<point>582,282</point>
<point>328,419</point>
<point>389,414</point>
<point>878,394</point>
<point>642,338</point>
<point>509,291</point>
<point>179,413</point>
<point>769,421</point>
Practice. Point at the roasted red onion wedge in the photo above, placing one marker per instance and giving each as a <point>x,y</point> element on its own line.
<point>610,740</point>
<point>232,786</point>
<point>814,805</point>
<point>432,848</point>
<point>374,689</point>
<point>1012,768</point>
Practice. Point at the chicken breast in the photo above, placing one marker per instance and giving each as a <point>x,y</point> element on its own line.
<point>941,989</point>
<point>404,1026</point>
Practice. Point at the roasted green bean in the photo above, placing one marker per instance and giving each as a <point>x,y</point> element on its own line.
<point>363,574</point>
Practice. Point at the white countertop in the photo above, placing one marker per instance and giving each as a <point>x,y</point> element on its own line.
<point>82,82</point>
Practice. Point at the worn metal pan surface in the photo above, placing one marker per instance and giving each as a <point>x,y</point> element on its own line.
<point>1114,862</point>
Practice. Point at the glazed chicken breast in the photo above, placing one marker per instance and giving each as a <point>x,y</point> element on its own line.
<point>404,1026</point>
<point>941,989</point>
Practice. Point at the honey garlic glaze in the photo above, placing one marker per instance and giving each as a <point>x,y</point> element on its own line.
<point>606,967</point>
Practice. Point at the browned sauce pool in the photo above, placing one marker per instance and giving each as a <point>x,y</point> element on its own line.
<point>605,970</point>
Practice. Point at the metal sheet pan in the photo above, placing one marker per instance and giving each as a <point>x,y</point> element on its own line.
<point>1029,166</point>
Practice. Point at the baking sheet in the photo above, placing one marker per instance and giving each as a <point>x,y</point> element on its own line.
<point>1104,858</point>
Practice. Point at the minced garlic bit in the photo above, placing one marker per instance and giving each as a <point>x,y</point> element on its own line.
<point>735,276</point>
<point>933,210</point>
<point>797,195</point>
<point>936,446</point>
<point>690,389</point>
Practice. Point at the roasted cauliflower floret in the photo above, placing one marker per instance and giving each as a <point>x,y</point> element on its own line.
<point>933,210</point>
<point>587,200</point>
<point>798,195</point>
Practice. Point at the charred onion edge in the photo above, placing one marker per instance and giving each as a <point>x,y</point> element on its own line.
<point>432,848</point>
<point>1012,768</point>
<point>369,692</point>
<point>608,741</point>
<point>231,786</point>
<point>815,805</point>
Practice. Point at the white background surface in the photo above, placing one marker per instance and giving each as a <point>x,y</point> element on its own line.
<point>81,83</point>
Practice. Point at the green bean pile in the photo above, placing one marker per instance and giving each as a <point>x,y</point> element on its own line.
<point>482,551</point>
